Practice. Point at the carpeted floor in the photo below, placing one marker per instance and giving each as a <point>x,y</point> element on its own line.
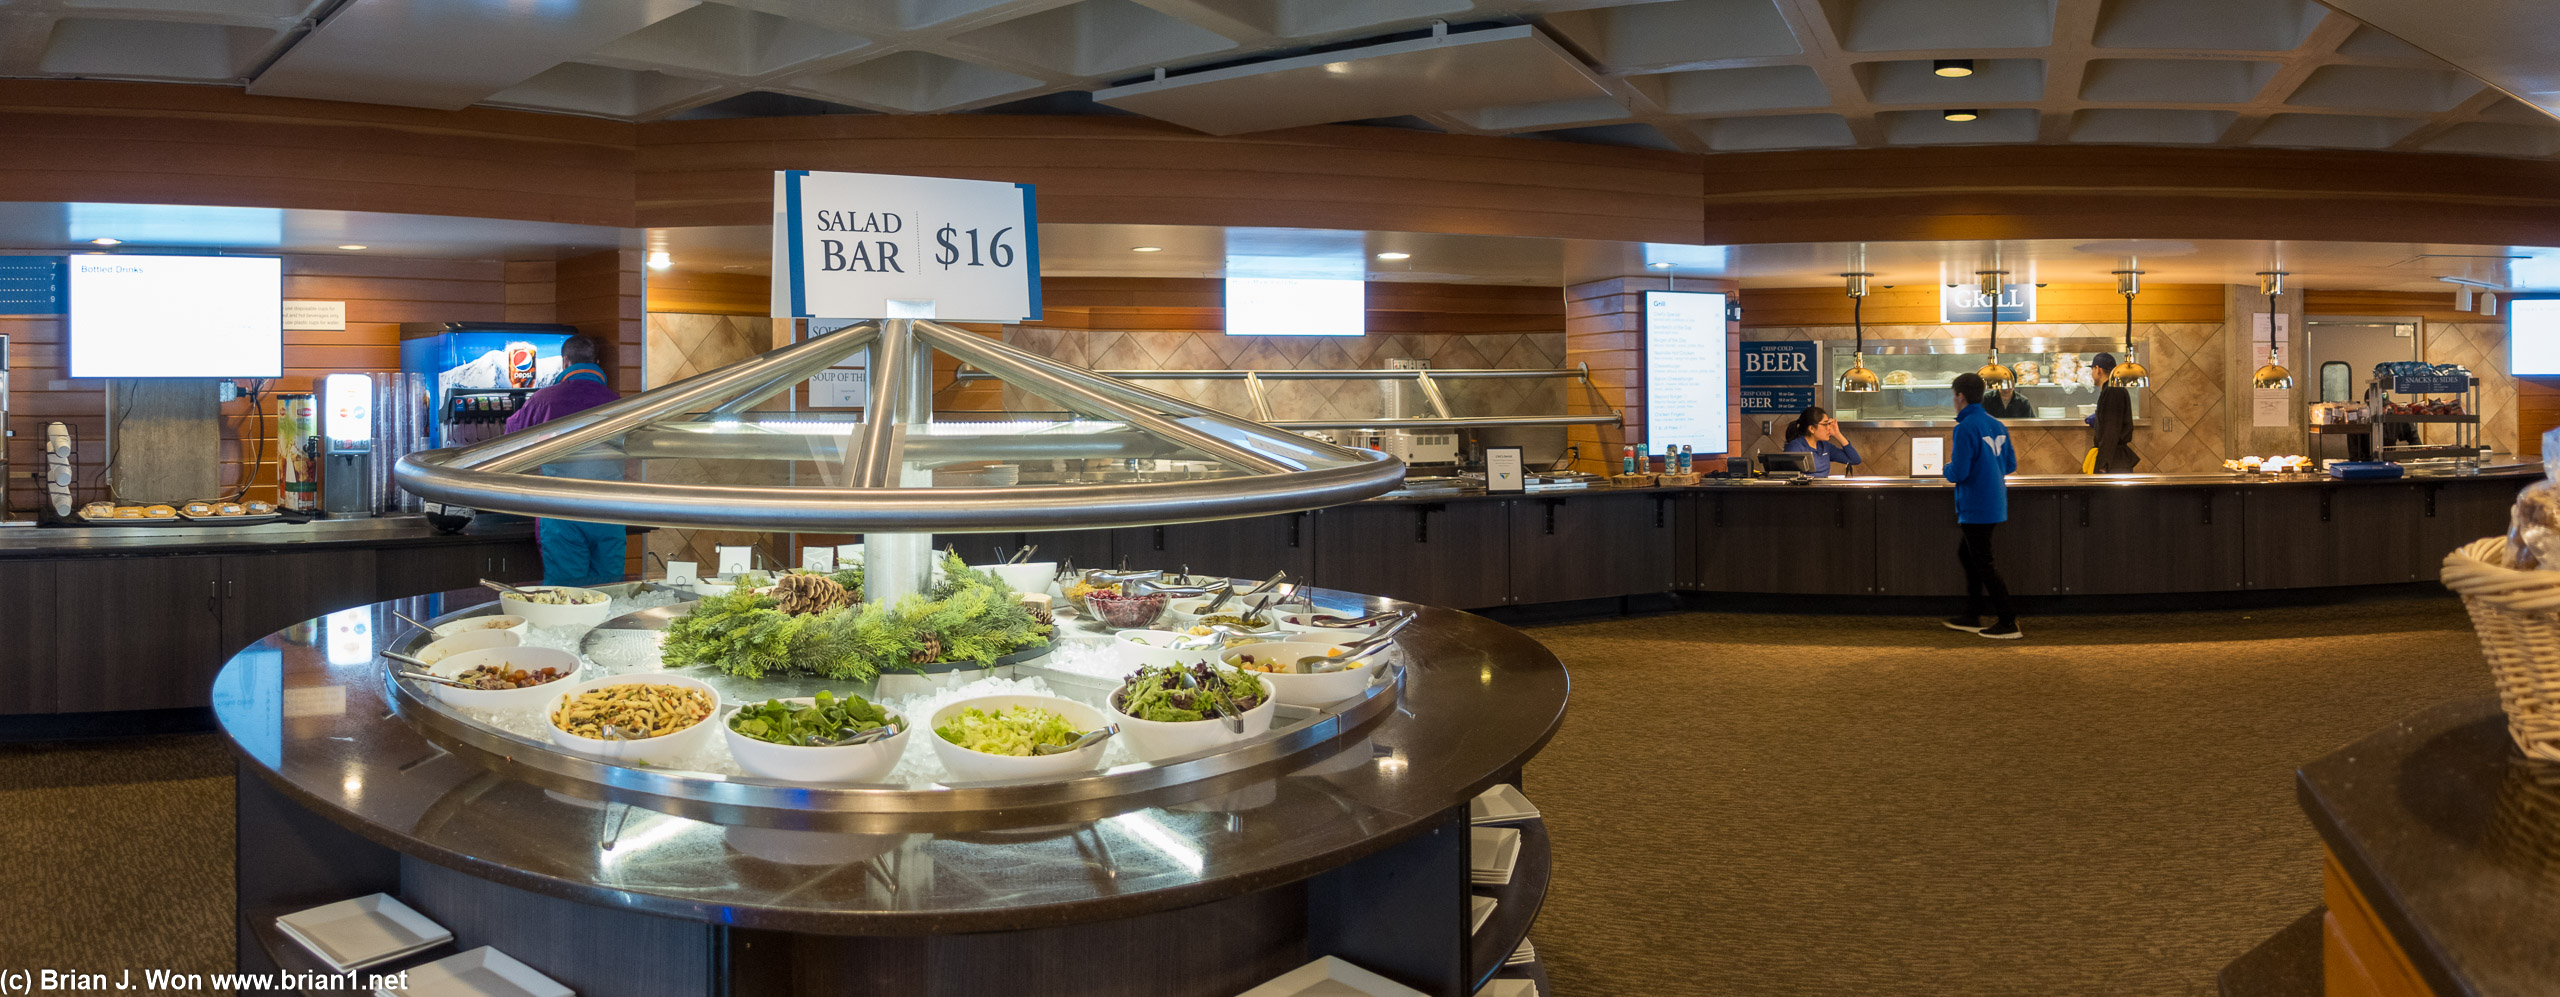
<point>1880,806</point>
<point>1740,804</point>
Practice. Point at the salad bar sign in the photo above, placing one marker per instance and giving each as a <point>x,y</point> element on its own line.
<point>869,245</point>
<point>1780,376</point>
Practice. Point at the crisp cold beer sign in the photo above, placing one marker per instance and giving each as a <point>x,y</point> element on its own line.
<point>869,245</point>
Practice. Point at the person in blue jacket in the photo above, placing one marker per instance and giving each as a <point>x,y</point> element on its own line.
<point>1817,433</point>
<point>1979,462</point>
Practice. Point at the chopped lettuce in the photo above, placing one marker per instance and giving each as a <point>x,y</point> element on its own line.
<point>1014,730</point>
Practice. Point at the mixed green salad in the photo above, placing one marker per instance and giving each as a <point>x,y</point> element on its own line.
<point>1157,692</point>
<point>827,718</point>
<point>1014,730</point>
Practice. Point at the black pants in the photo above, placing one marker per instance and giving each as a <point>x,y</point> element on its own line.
<point>1974,552</point>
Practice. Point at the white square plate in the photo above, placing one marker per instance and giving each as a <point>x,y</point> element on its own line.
<point>1522,956</point>
<point>352,934</point>
<point>1331,977</point>
<point>1501,805</point>
<point>1483,910</point>
<point>481,972</point>
<point>1509,988</point>
<point>1492,854</point>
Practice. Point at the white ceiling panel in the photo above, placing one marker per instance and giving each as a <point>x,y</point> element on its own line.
<point>1440,73</point>
<point>448,54</point>
<point>716,40</point>
<point>1097,38</point>
<point>915,82</point>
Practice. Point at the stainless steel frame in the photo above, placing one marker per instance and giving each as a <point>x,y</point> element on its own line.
<point>1424,379</point>
<point>1282,471</point>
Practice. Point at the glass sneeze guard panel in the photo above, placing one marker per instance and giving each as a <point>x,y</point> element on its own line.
<point>2054,376</point>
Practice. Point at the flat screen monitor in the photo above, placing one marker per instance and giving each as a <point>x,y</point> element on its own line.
<point>177,316</point>
<point>1297,306</point>
<point>2533,336</point>
<point>1686,392</point>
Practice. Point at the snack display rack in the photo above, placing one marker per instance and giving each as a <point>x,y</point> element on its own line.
<point>2463,452</point>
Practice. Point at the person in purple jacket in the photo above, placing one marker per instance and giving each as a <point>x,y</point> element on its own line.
<point>575,553</point>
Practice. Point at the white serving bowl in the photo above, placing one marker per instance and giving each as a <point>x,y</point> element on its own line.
<point>477,640</point>
<point>664,749</point>
<point>470,624</point>
<point>1320,689</point>
<point>834,763</point>
<point>966,765</point>
<point>1155,740</point>
<point>1034,577</point>
<point>1157,651</point>
<point>527,658</point>
<point>542,615</point>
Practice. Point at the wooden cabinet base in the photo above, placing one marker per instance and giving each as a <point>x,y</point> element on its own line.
<point>2358,957</point>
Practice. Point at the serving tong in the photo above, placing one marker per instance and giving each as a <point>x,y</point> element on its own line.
<point>420,673</point>
<point>1315,664</point>
<point>505,588</point>
<point>1087,740</point>
<point>1218,699</point>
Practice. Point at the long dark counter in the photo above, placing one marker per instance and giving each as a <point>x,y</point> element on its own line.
<point>2067,535</point>
<point>140,618</point>
<point>2445,858</point>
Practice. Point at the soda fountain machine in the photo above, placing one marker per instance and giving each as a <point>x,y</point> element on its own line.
<point>346,445</point>
<point>478,373</point>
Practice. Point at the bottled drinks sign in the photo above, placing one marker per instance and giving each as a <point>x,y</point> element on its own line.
<point>868,245</point>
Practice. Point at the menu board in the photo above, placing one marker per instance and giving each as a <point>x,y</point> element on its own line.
<point>1687,393</point>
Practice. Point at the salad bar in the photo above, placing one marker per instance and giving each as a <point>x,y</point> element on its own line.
<point>820,798</point>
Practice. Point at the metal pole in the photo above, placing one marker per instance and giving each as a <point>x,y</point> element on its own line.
<point>895,565</point>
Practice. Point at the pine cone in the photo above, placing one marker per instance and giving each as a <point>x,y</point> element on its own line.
<point>804,594</point>
<point>931,652</point>
<point>1043,620</point>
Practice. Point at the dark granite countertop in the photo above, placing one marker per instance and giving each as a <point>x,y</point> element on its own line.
<point>163,541</point>
<point>2506,471</point>
<point>315,721</point>
<point>2454,838</point>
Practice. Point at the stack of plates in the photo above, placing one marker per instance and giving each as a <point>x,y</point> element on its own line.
<point>1509,988</point>
<point>1493,853</point>
<point>367,931</point>
<point>1483,911</point>
<point>1503,804</point>
<point>1331,977</point>
<point>481,972</point>
<point>1527,953</point>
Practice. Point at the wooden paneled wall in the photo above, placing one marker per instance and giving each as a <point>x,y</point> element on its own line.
<point>1604,327</point>
<point>1917,304</point>
<point>380,294</point>
<point>602,294</point>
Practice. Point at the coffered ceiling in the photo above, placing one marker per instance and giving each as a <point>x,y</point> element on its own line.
<point>1695,75</point>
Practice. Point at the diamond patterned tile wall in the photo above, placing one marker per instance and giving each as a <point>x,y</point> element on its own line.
<point>2481,346</point>
<point>2185,405</point>
<point>680,346</point>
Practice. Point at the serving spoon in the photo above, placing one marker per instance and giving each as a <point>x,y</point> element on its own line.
<point>1089,739</point>
<point>506,588</point>
<point>1315,664</point>
<point>852,737</point>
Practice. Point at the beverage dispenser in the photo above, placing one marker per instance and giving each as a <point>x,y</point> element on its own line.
<point>346,445</point>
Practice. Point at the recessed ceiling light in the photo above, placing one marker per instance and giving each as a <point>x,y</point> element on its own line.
<point>1395,256</point>
<point>1146,249</point>
<point>1963,115</point>
<point>351,247</point>
<point>106,242</point>
<point>1953,67</point>
<point>1659,266</point>
<point>660,260</point>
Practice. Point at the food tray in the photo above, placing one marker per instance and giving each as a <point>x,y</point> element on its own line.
<point>178,520</point>
<point>1493,855</point>
<point>352,934</point>
<point>232,520</point>
<point>1331,977</point>
<point>481,972</point>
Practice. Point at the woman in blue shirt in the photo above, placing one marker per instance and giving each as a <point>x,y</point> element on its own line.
<point>1817,433</point>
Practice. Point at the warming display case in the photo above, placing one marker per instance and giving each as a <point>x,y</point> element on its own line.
<point>2053,375</point>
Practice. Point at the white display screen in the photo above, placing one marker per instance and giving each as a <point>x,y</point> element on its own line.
<point>177,316</point>
<point>1687,395</point>
<point>2533,336</point>
<point>1296,306</point>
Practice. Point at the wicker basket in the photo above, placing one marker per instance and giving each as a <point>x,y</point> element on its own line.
<point>2517,614</point>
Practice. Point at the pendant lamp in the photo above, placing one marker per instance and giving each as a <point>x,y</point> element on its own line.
<point>1858,380</point>
<point>2129,373</point>
<point>1995,375</point>
<point>2274,374</point>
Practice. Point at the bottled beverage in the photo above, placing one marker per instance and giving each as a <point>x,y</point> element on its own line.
<point>1644,459</point>
<point>1629,460</point>
<point>1687,459</point>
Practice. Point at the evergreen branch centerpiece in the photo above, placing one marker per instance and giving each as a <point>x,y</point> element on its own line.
<point>811,623</point>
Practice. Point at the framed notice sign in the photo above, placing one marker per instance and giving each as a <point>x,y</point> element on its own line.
<point>1686,390</point>
<point>1502,471</point>
<point>870,245</point>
